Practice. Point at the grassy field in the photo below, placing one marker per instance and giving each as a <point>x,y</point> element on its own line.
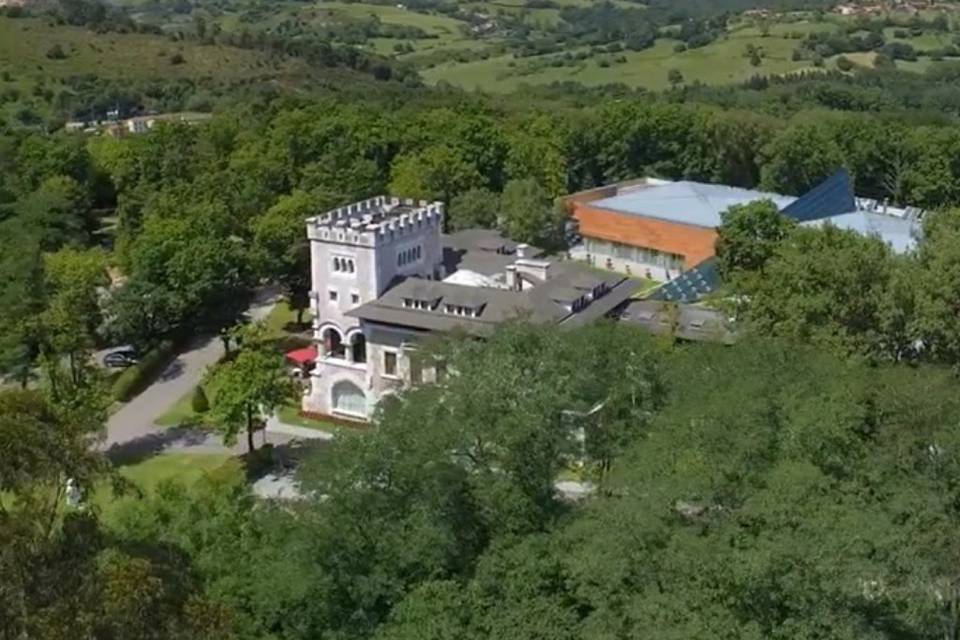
<point>25,42</point>
<point>146,475</point>
<point>720,62</point>
<point>922,42</point>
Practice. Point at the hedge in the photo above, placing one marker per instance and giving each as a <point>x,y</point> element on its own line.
<point>136,378</point>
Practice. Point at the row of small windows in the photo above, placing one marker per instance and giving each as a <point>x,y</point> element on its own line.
<point>460,310</point>
<point>344,265</point>
<point>642,255</point>
<point>412,303</point>
<point>334,296</point>
<point>407,256</point>
<point>451,309</point>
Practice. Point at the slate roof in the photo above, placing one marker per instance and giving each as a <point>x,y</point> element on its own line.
<point>693,203</point>
<point>483,251</point>
<point>541,304</point>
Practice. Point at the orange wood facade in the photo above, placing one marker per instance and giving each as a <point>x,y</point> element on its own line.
<point>695,244</point>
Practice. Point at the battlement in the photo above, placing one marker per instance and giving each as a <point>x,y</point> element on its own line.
<point>376,221</point>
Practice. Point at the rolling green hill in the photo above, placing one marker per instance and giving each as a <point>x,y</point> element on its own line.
<point>25,43</point>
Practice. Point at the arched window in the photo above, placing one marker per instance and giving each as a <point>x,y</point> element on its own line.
<point>418,253</point>
<point>333,346</point>
<point>336,264</point>
<point>350,265</point>
<point>349,398</point>
<point>358,347</point>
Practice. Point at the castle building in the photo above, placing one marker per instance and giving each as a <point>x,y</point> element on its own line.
<point>385,277</point>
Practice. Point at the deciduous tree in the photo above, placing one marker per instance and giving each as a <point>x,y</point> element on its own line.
<point>250,387</point>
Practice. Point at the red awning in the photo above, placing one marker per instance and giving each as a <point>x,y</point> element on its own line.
<point>303,356</point>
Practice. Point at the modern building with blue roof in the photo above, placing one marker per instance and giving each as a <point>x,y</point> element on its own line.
<point>692,203</point>
<point>900,234</point>
<point>662,229</point>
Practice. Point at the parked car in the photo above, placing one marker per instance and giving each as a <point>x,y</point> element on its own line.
<point>120,358</point>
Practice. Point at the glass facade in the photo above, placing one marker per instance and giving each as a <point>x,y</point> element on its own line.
<point>640,255</point>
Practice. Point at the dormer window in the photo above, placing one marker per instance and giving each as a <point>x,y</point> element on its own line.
<point>460,310</point>
<point>414,303</point>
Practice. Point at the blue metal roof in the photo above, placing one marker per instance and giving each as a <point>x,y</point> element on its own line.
<point>899,233</point>
<point>693,203</point>
<point>832,197</point>
<point>690,285</point>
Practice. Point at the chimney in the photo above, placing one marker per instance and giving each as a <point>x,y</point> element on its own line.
<point>523,250</point>
<point>538,269</point>
<point>513,281</point>
<point>885,203</point>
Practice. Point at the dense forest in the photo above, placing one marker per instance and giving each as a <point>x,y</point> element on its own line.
<point>194,217</point>
<point>798,484</point>
<point>764,490</point>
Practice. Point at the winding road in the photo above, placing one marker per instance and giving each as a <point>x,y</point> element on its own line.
<point>132,432</point>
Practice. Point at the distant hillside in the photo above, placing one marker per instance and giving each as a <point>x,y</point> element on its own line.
<point>26,49</point>
<point>58,72</point>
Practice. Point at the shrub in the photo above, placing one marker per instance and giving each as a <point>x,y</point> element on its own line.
<point>136,378</point>
<point>199,402</point>
<point>680,47</point>
<point>844,63</point>
<point>901,33</point>
<point>56,52</point>
<point>177,58</point>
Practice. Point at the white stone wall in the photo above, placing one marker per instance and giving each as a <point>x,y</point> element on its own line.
<point>368,260</point>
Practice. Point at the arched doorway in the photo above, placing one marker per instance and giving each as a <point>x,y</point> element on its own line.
<point>333,346</point>
<point>349,398</point>
<point>358,347</point>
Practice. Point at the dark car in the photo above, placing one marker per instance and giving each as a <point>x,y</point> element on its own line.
<point>120,358</point>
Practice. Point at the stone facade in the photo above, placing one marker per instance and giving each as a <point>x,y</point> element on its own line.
<point>357,252</point>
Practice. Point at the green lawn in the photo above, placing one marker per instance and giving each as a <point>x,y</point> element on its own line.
<point>146,475</point>
<point>187,467</point>
<point>721,62</point>
<point>181,412</point>
<point>924,41</point>
<point>290,414</point>
<point>281,319</point>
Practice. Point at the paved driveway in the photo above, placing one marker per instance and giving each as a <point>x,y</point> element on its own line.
<point>131,432</point>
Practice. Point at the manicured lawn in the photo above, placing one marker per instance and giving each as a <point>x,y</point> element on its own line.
<point>290,414</point>
<point>181,411</point>
<point>281,319</point>
<point>146,475</point>
<point>186,467</point>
